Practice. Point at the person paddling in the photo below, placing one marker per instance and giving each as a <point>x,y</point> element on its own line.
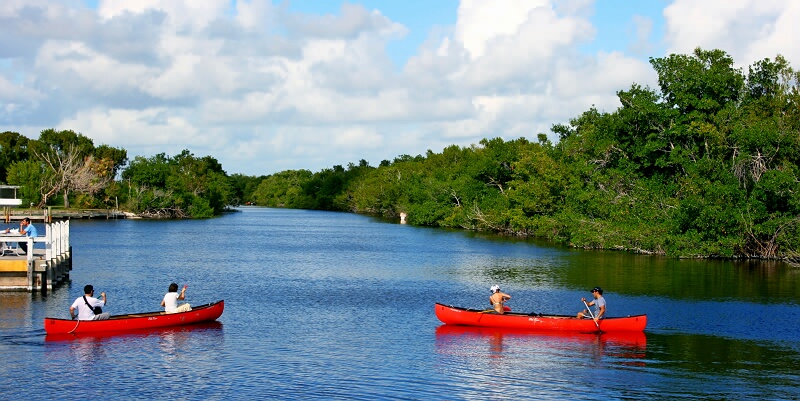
<point>599,304</point>
<point>170,301</point>
<point>498,298</point>
<point>87,307</point>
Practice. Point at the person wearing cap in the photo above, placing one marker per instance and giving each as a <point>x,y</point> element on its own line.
<point>498,298</point>
<point>599,304</point>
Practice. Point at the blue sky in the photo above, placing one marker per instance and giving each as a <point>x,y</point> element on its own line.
<point>613,20</point>
<point>418,16</point>
<point>266,86</point>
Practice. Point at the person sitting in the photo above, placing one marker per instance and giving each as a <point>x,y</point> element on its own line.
<point>170,301</point>
<point>89,307</point>
<point>498,298</point>
<point>599,304</point>
<point>27,229</point>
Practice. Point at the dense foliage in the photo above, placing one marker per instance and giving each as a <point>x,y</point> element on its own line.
<point>64,167</point>
<point>179,186</point>
<point>707,164</point>
<point>704,165</point>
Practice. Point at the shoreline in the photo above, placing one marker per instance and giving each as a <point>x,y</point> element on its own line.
<point>49,214</point>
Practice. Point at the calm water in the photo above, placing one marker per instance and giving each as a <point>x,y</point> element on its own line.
<point>338,306</point>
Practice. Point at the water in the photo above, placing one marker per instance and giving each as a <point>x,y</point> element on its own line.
<point>322,305</point>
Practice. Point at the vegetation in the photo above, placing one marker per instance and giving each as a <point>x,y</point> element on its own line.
<point>705,165</point>
<point>64,167</point>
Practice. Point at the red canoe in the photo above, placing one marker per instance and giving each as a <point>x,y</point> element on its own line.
<point>135,321</point>
<point>473,317</point>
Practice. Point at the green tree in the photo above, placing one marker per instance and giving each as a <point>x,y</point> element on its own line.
<point>115,158</point>
<point>179,186</point>
<point>28,175</point>
<point>13,148</point>
<point>284,189</point>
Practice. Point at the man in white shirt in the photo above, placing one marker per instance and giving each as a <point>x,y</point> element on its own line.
<point>86,304</point>
<point>170,301</point>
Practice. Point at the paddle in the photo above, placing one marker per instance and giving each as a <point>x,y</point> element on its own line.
<point>592,315</point>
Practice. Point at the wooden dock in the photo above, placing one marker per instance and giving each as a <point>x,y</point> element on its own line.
<point>38,269</point>
<point>48,215</point>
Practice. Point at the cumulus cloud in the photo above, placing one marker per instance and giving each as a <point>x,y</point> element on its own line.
<point>264,88</point>
<point>749,30</point>
<point>642,28</point>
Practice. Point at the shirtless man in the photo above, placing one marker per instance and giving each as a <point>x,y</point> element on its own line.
<point>498,298</point>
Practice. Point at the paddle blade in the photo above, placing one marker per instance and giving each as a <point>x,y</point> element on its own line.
<point>506,308</point>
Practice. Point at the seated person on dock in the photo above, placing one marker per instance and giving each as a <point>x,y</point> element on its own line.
<point>498,298</point>
<point>27,229</point>
<point>170,301</point>
<point>89,307</point>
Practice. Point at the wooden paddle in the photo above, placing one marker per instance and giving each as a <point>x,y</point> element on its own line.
<point>592,315</point>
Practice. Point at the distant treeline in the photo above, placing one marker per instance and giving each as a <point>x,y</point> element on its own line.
<point>706,165</point>
<point>66,168</point>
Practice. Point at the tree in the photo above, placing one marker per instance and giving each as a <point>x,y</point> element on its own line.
<point>699,85</point>
<point>28,175</point>
<point>117,157</point>
<point>13,148</point>
<point>284,189</point>
<point>69,164</point>
<point>163,186</point>
<point>67,170</point>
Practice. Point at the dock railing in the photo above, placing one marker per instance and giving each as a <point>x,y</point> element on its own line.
<point>57,260</point>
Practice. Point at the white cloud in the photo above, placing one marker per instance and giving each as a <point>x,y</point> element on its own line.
<point>147,128</point>
<point>748,30</point>
<point>17,92</point>
<point>263,88</point>
<point>183,14</point>
<point>642,28</point>
<point>76,66</point>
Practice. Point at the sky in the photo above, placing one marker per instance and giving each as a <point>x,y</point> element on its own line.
<point>267,86</point>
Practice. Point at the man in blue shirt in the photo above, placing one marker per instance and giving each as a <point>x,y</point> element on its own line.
<point>27,229</point>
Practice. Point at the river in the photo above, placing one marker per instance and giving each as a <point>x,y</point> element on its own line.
<point>323,305</point>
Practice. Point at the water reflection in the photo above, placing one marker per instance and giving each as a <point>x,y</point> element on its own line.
<point>702,279</point>
<point>493,341</point>
<point>15,309</point>
<point>91,347</point>
<point>168,334</point>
